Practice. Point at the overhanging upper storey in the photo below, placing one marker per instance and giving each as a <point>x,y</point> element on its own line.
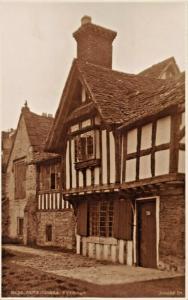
<point>153,143</point>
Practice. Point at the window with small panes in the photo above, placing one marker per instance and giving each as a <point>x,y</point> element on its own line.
<point>84,147</point>
<point>101,218</point>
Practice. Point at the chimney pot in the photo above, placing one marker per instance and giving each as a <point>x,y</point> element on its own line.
<point>85,20</point>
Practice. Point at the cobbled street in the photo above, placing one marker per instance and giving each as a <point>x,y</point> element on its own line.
<point>67,274</point>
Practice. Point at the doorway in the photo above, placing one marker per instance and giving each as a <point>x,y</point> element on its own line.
<point>146,233</point>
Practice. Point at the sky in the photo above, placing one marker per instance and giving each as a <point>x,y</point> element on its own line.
<point>37,47</point>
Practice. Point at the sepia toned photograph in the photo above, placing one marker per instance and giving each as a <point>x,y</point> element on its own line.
<point>93,149</point>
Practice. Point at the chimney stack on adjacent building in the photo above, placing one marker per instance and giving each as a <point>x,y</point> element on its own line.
<point>94,43</point>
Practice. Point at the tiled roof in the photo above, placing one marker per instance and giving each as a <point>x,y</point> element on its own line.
<point>123,98</point>
<point>156,70</point>
<point>37,128</point>
<point>118,97</point>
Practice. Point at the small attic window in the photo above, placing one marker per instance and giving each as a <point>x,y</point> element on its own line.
<point>83,95</point>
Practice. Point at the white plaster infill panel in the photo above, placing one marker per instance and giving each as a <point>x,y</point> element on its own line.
<point>74,128</point>
<point>88,177</point>
<point>96,175</point>
<point>146,136</point>
<point>81,179</point>
<point>104,157</point>
<point>163,130</point>
<point>112,158</point>
<point>97,144</point>
<point>162,161</point>
<point>86,123</point>
<point>73,166</point>
<point>67,168</point>
<point>130,170</point>
<point>132,141</point>
<point>181,161</point>
<point>145,167</point>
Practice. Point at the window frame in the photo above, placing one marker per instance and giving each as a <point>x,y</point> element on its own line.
<point>45,180</point>
<point>49,233</point>
<point>20,226</point>
<point>81,150</point>
<point>101,218</point>
<point>20,187</point>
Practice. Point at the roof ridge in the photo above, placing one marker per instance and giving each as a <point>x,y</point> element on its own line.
<point>28,111</point>
<point>80,63</point>
<point>158,64</point>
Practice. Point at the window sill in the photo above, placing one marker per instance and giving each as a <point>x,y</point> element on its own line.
<point>102,240</point>
<point>87,164</point>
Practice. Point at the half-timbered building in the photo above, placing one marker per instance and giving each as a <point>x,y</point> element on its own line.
<point>55,216</point>
<point>37,212</point>
<point>121,139</point>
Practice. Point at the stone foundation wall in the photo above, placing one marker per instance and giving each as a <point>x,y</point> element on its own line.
<point>109,249</point>
<point>172,228</point>
<point>63,228</point>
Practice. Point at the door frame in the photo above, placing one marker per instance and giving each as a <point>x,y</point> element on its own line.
<point>157,201</point>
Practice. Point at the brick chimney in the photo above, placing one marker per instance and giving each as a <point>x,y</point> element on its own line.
<point>94,43</point>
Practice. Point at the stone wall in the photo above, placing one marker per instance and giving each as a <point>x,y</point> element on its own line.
<point>172,227</point>
<point>30,221</point>
<point>5,220</point>
<point>20,150</point>
<point>63,228</point>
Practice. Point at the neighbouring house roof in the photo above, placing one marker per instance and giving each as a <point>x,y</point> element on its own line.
<point>37,127</point>
<point>119,98</point>
<point>157,70</point>
<point>7,138</point>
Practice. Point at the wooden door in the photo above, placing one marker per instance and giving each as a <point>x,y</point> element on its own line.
<point>146,234</point>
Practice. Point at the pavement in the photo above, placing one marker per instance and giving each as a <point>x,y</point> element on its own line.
<point>83,268</point>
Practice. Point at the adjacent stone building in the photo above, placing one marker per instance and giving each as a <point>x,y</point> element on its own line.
<point>28,222</point>
<point>7,138</point>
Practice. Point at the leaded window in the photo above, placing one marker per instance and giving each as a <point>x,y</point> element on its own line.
<point>101,218</point>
